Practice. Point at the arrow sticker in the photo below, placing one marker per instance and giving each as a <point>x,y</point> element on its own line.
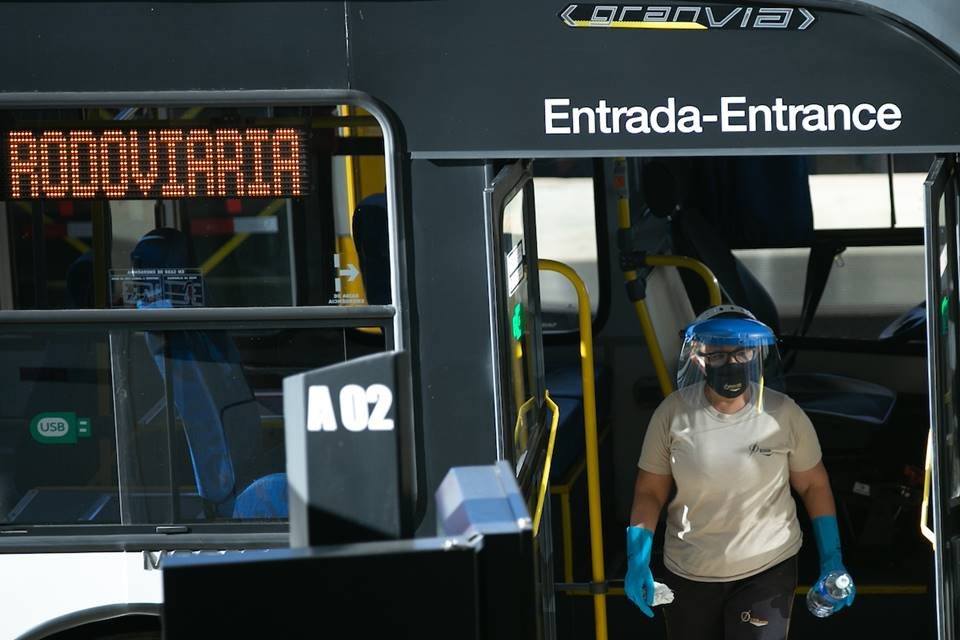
<point>351,272</point>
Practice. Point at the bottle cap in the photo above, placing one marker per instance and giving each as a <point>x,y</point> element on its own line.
<point>842,581</point>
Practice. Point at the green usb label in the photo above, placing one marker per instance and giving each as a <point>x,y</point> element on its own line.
<point>59,427</point>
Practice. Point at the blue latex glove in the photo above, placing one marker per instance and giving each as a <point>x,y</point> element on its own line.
<point>828,545</point>
<point>639,581</point>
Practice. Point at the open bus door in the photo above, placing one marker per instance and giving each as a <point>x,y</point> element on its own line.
<point>941,193</point>
<point>524,414</point>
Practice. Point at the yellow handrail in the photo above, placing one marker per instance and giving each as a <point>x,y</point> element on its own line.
<point>682,262</point>
<point>590,435</point>
<point>545,480</point>
<point>522,409</point>
<point>925,504</point>
<point>653,346</point>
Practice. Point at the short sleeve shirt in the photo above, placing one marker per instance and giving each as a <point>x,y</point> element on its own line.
<point>733,515</point>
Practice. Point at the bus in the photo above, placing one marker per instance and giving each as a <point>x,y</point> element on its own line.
<point>200,200</point>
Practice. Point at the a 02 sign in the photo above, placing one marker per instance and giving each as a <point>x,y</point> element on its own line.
<point>361,408</point>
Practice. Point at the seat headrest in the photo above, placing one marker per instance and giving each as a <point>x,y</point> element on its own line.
<point>159,249</point>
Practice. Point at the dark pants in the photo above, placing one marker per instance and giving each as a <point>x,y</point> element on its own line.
<point>757,607</point>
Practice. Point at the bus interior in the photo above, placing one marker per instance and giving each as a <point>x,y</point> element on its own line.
<point>828,251</point>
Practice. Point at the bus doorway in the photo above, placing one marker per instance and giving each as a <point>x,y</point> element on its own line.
<point>835,262</point>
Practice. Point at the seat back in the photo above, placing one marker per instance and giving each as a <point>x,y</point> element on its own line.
<point>220,415</point>
<point>371,237</point>
<point>670,312</point>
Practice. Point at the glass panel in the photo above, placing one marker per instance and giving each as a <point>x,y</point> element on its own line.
<point>257,207</point>
<point>566,232</point>
<point>523,352</point>
<point>854,192</point>
<point>57,440</point>
<point>947,304</point>
<point>88,434</point>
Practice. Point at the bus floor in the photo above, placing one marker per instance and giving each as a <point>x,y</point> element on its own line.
<point>877,616</point>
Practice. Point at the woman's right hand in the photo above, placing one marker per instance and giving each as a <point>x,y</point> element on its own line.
<point>638,582</point>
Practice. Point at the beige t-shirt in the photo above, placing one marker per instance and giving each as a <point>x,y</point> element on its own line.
<point>733,515</point>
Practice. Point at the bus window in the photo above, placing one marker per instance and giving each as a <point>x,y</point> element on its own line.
<point>123,400</point>
<point>867,191</point>
<point>869,207</point>
<point>566,232</point>
<point>247,194</point>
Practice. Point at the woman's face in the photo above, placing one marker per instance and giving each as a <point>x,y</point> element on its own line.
<point>725,368</point>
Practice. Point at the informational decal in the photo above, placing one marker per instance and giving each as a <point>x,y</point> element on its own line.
<point>344,274</point>
<point>156,287</point>
<point>686,16</point>
<point>733,114</point>
<point>59,427</point>
<point>360,408</point>
<point>515,271</point>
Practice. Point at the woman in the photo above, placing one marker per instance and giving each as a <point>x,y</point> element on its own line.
<point>734,448</point>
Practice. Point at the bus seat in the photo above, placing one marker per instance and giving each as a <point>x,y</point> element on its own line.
<point>909,326</point>
<point>669,312</point>
<point>220,416</point>
<point>265,497</point>
<point>566,389</point>
<point>370,236</point>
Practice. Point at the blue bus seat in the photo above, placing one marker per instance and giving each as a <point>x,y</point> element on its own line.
<point>220,415</point>
<point>566,389</point>
<point>369,228</point>
<point>909,326</point>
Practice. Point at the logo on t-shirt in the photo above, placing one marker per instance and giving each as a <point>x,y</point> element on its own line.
<point>756,449</point>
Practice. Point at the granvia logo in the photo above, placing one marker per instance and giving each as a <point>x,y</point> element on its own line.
<point>686,16</point>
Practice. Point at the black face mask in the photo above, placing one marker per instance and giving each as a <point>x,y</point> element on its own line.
<point>729,381</point>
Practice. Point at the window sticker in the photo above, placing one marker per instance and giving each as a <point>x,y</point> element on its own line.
<point>131,288</point>
<point>59,427</point>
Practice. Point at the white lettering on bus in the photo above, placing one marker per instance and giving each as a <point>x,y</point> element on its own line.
<point>736,115</point>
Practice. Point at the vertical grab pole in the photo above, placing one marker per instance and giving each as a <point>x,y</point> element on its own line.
<point>623,219</point>
<point>592,447</point>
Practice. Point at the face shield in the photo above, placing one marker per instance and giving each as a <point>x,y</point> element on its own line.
<point>728,358</point>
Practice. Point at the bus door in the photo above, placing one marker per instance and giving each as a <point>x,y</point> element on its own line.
<point>941,193</point>
<point>524,417</point>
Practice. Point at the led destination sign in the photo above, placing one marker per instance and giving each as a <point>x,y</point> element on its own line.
<point>122,164</point>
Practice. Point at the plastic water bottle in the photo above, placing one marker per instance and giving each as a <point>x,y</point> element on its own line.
<point>824,596</point>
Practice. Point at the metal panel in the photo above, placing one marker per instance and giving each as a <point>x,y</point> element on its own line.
<point>486,70</point>
<point>134,46</point>
<point>451,320</point>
